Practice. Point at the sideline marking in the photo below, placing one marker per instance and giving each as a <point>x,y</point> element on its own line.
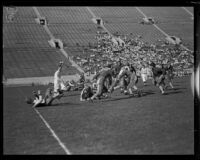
<point>139,10</point>
<point>49,127</point>
<point>62,145</point>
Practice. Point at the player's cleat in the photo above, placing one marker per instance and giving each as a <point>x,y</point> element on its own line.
<point>126,92</point>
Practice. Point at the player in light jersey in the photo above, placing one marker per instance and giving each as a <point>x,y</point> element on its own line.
<point>128,72</point>
<point>123,81</point>
<point>144,74</point>
<point>59,85</point>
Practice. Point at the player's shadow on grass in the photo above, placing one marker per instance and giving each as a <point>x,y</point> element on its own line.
<point>59,105</point>
<point>71,95</point>
<point>173,92</point>
<point>144,93</point>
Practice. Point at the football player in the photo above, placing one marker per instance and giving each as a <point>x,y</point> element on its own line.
<point>40,101</point>
<point>158,76</point>
<point>59,85</point>
<point>104,80</point>
<point>87,92</point>
<point>129,73</point>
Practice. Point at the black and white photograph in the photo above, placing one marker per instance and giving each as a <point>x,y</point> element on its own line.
<point>99,80</point>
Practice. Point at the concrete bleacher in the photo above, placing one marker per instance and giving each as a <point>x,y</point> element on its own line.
<point>71,24</point>
<point>125,20</point>
<point>26,52</point>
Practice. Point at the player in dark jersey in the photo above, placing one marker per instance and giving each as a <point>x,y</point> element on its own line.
<point>81,81</point>
<point>86,93</point>
<point>169,74</point>
<point>127,73</point>
<point>104,80</point>
<point>158,77</point>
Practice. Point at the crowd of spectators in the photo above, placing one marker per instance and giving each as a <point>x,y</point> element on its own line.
<point>128,48</point>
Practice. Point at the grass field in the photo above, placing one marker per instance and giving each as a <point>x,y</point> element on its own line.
<point>152,124</point>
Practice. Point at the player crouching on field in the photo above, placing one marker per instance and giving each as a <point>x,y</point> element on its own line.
<point>87,91</point>
<point>104,81</point>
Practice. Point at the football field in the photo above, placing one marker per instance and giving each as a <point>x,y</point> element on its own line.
<point>151,124</point>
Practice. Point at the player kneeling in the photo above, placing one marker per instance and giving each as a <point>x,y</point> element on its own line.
<point>104,80</point>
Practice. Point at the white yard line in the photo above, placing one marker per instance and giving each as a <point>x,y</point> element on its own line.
<point>190,13</point>
<point>139,10</point>
<point>62,145</point>
<point>52,37</point>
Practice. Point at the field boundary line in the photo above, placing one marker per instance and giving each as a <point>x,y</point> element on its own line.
<point>62,50</point>
<point>139,10</point>
<point>62,145</point>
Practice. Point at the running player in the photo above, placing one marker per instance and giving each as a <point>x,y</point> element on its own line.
<point>158,77</point>
<point>129,72</point>
<point>169,74</point>
<point>144,75</point>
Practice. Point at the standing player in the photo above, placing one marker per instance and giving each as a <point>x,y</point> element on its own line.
<point>144,75</point>
<point>59,85</point>
<point>158,77</point>
<point>169,74</point>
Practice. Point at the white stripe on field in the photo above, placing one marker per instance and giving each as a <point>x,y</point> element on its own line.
<point>62,145</point>
<point>139,10</point>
